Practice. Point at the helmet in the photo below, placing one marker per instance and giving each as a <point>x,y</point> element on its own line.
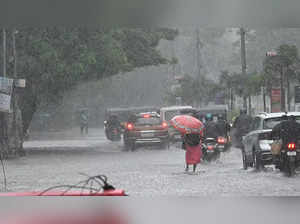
<point>208,117</point>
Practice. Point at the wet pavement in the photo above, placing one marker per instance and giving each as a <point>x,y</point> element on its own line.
<point>145,172</point>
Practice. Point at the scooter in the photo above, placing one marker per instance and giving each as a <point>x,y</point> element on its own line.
<point>115,134</point>
<point>223,144</point>
<point>289,159</point>
<point>210,149</point>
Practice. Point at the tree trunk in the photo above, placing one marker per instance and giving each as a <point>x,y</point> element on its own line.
<point>282,89</point>
<point>250,105</point>
<point>243,60</point>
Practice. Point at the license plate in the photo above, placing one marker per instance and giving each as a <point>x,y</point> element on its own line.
<point>147,135</point>
<point>177,137</point>
<point>291,153</point>
<point>221,146</point>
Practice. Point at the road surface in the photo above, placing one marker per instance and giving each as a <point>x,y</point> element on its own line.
<point>145,172</point>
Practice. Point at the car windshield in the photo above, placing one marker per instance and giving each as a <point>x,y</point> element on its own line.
<point>148,121</point>
<point>270,123</point>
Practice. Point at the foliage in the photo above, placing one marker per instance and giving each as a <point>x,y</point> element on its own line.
<point>194,91</point>
<point>288,58</point>
<point>54,60</point>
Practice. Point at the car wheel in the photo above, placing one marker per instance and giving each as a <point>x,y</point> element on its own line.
<point>245,164</point>
<point>165,144</point>
<point>290,168</point>
<point>257,161</point>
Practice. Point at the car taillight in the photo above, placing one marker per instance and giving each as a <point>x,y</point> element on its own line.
<point>129,126</point>
<point>221,140</point>
<point>164,124</point>
<point>210,147</point>
<point>146,116</point>
<point>291,146</point>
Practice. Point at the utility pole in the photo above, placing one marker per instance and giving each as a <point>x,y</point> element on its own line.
<point>2,116</point>
<point>282,98</point>
<point>288,91</point>
<point>14,94</point>
<point>243,60</point>
<point>4,51</point>
<point>173,56</point>
<point>264,97</point>
<point>198,44</point>
<point>14,52</point>
<point>200,77</point>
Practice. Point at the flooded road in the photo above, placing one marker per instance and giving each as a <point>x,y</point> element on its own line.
<point>145,172</point>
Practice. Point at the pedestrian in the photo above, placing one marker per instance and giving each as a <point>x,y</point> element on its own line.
<point>193,150</point>
<point>241,126</point>
<point>84,121</point>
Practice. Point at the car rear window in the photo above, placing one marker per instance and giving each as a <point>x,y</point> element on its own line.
<point>148,121</point>
<point>271,122</point>
<point>170,114</point>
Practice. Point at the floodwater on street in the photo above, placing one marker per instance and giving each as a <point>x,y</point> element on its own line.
<point>144,172</point>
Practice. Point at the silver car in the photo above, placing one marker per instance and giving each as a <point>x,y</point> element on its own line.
<point>256,151</point>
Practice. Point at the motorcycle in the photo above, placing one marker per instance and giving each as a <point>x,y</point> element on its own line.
<point>115,134</point>
<point>223,144</point>
<point>289,159</point>
<point>238,138</point>
<point>210,149</point>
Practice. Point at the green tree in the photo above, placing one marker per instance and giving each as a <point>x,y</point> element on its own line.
<point>289,57</point>
<point>54,60</point>
<point>286,62</point>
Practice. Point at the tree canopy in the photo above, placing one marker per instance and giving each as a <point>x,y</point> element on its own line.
<point>55,59</point>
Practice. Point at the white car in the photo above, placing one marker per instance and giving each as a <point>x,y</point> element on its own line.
<point>256,150</point>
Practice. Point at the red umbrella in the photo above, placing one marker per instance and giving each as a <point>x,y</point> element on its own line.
<point>187,124</point>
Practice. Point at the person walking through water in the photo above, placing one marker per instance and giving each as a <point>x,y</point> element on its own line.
<point>84,121</point>
<point>241,127</point>
<point>193,151</point>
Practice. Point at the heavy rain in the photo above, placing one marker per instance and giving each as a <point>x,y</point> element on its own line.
<point>209,108</point>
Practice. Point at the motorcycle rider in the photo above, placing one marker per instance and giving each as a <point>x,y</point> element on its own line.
<point>210,128</point>
<point>242,125</point>
<point>223,126</point>
<point>113,122</point>
<point>287,131</point>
